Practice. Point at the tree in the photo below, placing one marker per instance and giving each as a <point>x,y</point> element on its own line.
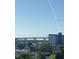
<point>43,48</point>
<point>24,56</point>
<point>52,56</point>
<point>61,54</point>
<point>38,55</point>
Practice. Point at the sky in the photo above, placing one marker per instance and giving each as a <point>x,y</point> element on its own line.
<point>38,17</point>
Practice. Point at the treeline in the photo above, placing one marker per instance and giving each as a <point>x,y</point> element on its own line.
<point>43,48</point>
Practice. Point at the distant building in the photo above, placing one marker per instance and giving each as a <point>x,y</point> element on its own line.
<point>60,39</point>
<point>56,39</point>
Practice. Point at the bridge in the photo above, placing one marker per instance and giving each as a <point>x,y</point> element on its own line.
<point>35,38</point>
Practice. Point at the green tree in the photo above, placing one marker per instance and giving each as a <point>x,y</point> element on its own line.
<point>52,56</point>
<point>43,47</point>
<point>24,56</point>
<point>38,55</point>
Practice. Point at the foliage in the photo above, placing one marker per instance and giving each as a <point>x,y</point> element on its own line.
<point>43,47</point>
<point>37,55</point>
<point>52,56</point>
<point>24,56</point>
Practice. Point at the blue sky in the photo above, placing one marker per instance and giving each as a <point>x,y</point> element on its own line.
<point>38,17</point>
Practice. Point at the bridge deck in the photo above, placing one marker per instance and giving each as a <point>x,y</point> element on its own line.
<point>32,38</point>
